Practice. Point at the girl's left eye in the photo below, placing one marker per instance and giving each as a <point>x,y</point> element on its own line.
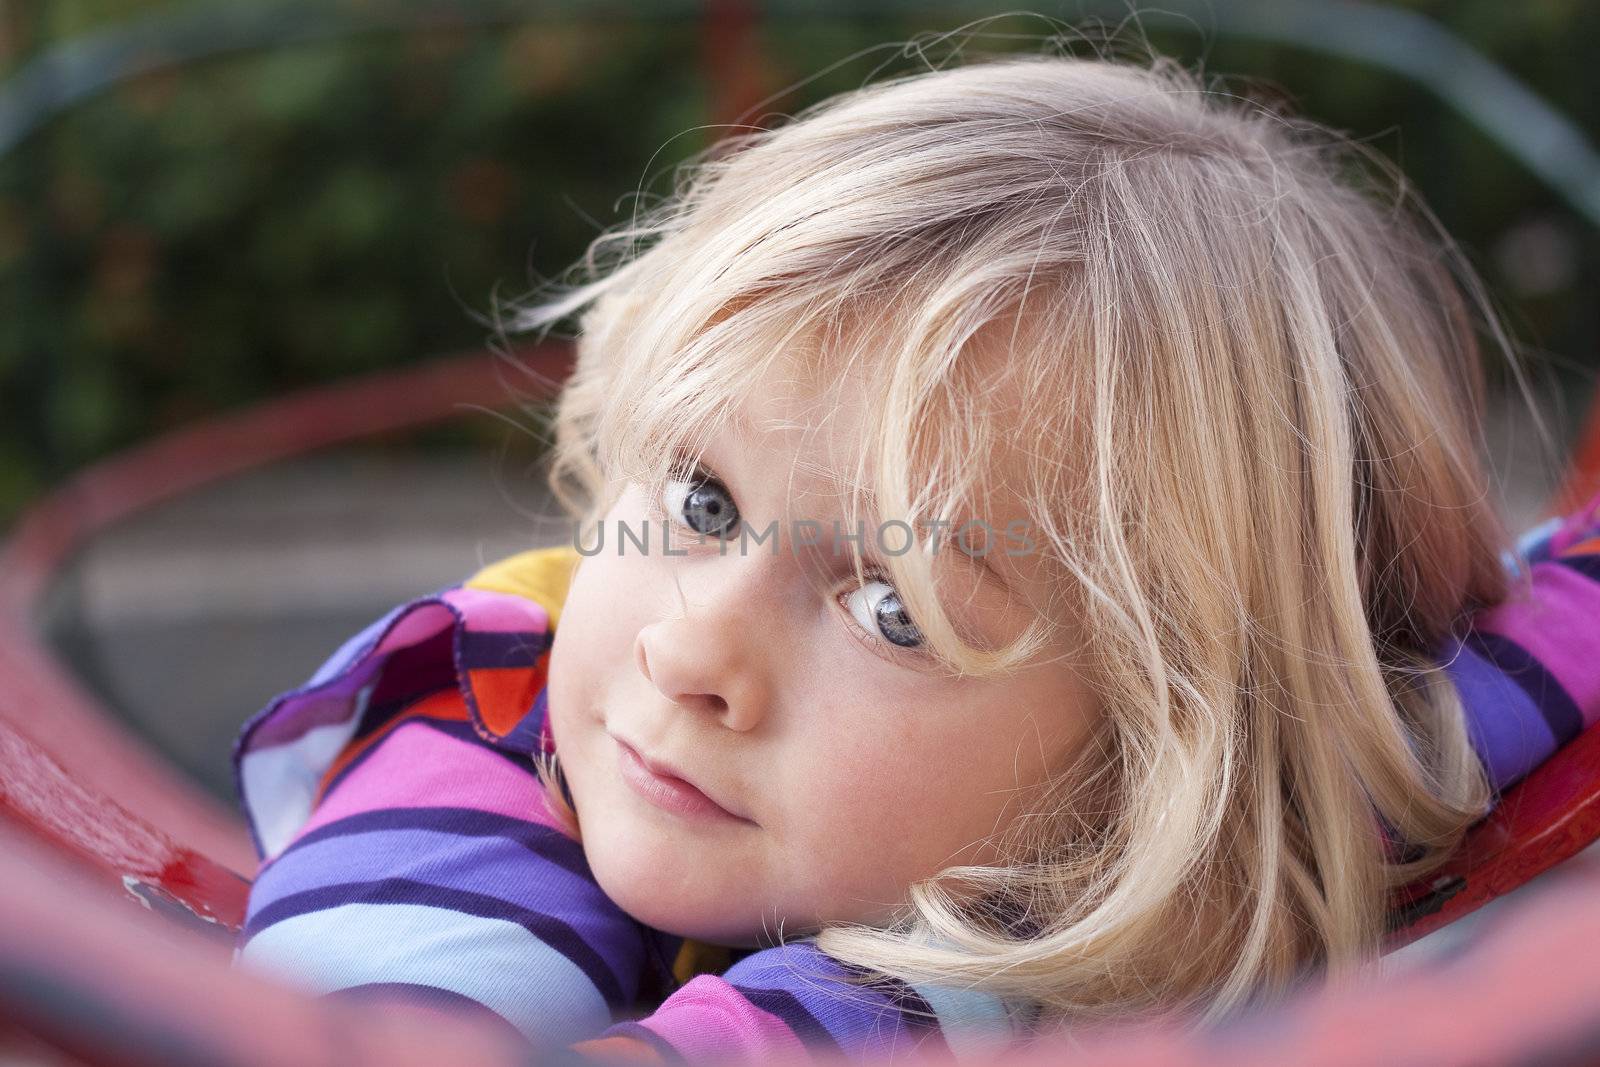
<point>703,504</point>
<point>876,607</point>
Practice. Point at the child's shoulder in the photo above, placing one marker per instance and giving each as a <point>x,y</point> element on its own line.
<point>541,575</point>
<point>471,659</point>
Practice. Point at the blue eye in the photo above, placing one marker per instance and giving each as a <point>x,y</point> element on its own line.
<point>703,504</point>
<point>876,606</point>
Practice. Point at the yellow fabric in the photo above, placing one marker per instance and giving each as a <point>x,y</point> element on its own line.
<point>698,957</point>
<point>543,575</point>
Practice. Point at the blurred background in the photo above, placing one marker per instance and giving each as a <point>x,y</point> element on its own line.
<point>210,205</point>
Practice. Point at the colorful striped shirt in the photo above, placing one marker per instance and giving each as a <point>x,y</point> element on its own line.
<point>412,855</point>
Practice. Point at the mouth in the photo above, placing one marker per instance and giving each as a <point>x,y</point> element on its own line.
<point>654,782</point>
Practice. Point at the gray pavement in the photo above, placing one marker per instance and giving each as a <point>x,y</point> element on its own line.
<point>187,619</point>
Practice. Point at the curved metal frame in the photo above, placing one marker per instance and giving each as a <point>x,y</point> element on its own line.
<point>78,733</point>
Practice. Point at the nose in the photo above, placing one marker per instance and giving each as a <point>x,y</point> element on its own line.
<point>701,661</point>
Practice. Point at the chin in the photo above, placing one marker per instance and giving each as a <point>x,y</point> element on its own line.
<point>653,886</point>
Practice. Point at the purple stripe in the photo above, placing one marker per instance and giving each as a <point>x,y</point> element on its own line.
<point>1553,626</point>
<point>469,824</point>
<point>1585,563</point>
<point>771,978</point>
<point>378,716</point>
<point>553,932</point>
<point>778,967</point>
<point>524,737</point>
<point>786,1006</point>
<point>915,1011</point>
<point>1554,703</point>
<point>496,649</point>
<point>468,865</point>
<point>1504,723</point>
<point>289,717</point>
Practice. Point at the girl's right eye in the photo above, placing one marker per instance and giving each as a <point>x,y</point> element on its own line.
<point>703,504</point>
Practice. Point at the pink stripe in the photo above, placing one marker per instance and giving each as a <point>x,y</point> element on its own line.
<point>418,625</point>
<point>491,612</point>
<point>1557,625</point>
<point>709,1018</point>
<point>418,767</point>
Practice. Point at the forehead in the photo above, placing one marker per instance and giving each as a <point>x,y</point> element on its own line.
<point>820,432</point>
<point>827,401</point>
<point>815,427</point>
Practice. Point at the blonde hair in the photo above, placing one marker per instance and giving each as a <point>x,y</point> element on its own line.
<point>1251,395</point>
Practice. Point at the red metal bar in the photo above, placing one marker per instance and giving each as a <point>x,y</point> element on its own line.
<point>121,851</point>
<point>43,703</point>
<point>1550,816</point>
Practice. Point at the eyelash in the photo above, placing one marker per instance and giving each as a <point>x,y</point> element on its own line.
<point>874,644</point>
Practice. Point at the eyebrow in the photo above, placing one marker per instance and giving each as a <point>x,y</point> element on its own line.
<point>983,563</point>
<point>741,423</point>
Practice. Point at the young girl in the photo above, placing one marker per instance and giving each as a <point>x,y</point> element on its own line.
<point>1032,528</point>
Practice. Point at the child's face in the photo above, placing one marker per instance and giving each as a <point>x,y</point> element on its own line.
<point>846,768</point>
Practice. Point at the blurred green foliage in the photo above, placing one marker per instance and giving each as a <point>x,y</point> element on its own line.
<point>213,234</point>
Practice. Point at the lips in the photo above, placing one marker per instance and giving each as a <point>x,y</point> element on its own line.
<point>657,783</point>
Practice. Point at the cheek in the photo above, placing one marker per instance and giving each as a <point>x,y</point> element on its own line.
<point>882,813</point>
<point>898,803</point>
<point>593,646</point>
<point>595,633</point>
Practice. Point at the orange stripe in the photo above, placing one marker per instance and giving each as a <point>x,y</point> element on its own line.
<point>633,1049</point>
<point>1582,548</point>
<point>445,704</point>
<point>505,694</point>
